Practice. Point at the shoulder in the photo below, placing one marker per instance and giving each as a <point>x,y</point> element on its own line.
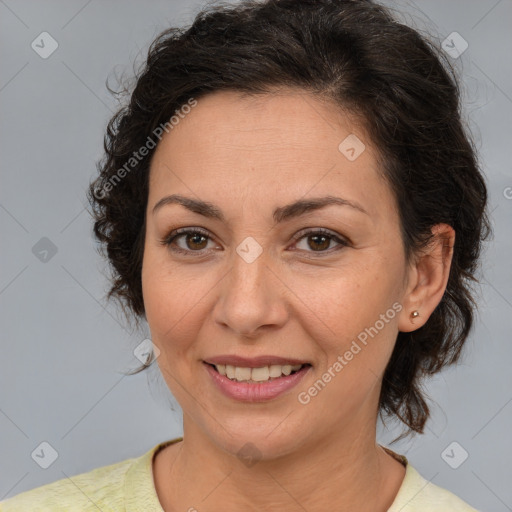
<point>86,491</point>
<point>419,495</point>
<point>118,486</point>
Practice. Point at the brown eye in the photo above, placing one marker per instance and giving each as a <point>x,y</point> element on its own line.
<point>187,240</point>
<point>319,241</point>
<point>195,241</point>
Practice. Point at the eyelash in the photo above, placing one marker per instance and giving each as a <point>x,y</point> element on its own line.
<point>169,239</point>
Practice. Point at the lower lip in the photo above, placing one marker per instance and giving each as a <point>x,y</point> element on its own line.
<point>256,392</point>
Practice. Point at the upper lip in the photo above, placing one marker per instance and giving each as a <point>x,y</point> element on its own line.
<point>253,362</point>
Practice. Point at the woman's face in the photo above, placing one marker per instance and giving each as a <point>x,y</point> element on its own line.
<point>259,281</point>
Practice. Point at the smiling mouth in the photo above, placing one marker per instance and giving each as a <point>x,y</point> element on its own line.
<point>257,375</point>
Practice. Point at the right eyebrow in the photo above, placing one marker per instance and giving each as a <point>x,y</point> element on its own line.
<point>194,205</point>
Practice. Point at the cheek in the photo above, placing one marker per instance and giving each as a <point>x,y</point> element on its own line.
<point>165,301</point>
<point>354,327</point>
<point>169,312</point>
<point>176,305</point>
<point>343,302</point>
<point>172,316</point>
<point>350,316</point>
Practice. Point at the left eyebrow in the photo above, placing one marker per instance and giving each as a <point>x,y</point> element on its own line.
<point>281,214</point>
<point>303,206</point>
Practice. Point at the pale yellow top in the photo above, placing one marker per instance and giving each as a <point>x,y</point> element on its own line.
<point>128,486</point>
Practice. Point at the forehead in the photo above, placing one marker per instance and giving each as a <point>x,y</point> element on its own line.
<point>285,143</point>
<point>282,120</point>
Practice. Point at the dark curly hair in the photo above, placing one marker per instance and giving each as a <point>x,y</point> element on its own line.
<point>352,52</point>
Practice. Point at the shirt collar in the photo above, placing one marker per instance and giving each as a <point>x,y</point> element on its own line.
<point>139,485</point>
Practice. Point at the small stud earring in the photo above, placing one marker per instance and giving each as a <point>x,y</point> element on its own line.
<point>415,314</point>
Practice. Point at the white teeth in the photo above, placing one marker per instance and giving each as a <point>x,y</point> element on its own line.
<point>275,370</point>
<point>287,369</point>
<point>242,373</point>
<point>262,374</point>
<point>230,371</point>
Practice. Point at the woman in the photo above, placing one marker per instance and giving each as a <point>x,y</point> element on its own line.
<point>291,202</point>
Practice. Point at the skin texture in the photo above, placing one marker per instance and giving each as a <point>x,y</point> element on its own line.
<point>301,298</point>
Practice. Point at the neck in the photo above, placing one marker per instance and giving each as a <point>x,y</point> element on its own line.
<point>349,470</point>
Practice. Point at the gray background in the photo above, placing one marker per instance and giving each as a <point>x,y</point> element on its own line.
<point>63,348</point>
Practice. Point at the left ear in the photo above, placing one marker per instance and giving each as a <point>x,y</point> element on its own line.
<point>427,279</point>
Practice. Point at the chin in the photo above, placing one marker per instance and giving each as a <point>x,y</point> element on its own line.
<point>263,439</point>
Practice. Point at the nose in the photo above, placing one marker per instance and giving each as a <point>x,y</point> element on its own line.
<point>252,298</point>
